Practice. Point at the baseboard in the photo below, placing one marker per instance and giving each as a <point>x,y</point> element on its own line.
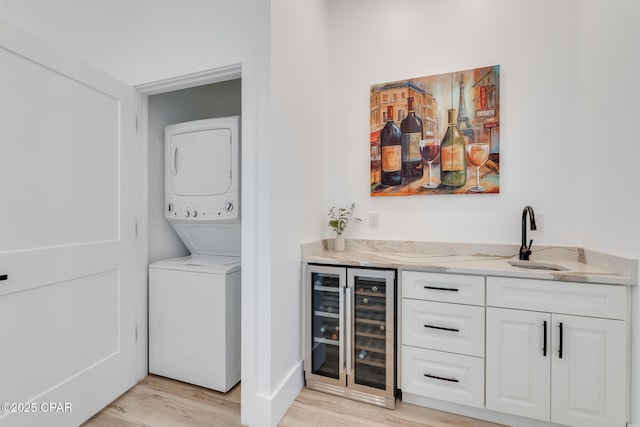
<point>286,393</point>
<point>479,413</point>
<point>268,409</point>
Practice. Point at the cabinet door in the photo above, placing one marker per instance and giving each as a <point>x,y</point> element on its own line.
<point>324,354</point>
<point>518,362</point>
<point>370,344</point>
<point>589,383</point>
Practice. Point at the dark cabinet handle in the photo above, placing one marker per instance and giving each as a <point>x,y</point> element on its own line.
<point>441,289</point>
<point>560,349</point>
<point>453,380</point>
<point>3,277</point>
<point>442,328</point>
<point>544,339</point>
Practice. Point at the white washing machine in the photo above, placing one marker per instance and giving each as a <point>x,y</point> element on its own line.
<point>194,320</point>
<point>194,301</point>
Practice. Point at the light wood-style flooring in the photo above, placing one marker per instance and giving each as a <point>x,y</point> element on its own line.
<point>159,402</point>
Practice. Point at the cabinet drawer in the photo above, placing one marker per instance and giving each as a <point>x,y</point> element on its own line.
<point>445,376</point>
<point>455,328</point>
<point>456,288</point>
<point>583,299</point>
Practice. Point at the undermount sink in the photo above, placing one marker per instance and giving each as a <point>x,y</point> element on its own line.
<point>533,265</point>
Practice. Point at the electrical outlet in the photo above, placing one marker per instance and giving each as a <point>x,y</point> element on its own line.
<point>374,220</point>
<point>539,222</point>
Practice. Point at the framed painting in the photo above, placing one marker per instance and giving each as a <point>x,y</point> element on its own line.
<point>437,134</point>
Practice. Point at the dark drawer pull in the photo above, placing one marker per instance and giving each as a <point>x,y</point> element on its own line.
<point>437,288</point>
<point>3,277</point>
<point>442,328</point>
<point>453,380</point>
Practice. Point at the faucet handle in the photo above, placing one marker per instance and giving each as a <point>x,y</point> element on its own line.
<point>525,251</point>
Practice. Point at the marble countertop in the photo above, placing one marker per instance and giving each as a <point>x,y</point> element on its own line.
<point>580,265</point>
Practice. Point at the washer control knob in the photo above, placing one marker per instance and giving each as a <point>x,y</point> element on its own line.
<point>228,206</point>
<point>188,213</point>
<point>170,208</point>
<point>195,213</point>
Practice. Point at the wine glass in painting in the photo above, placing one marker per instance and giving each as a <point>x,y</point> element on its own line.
<point>477,155</point>
<point>430,150</point>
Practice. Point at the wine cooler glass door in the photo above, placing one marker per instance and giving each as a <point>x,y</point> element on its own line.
<point>327,324</point>
<point>372,357</point>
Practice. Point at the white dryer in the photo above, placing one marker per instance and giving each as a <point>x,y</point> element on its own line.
<point>194,301</point>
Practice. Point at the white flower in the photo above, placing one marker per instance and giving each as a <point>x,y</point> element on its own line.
<point>340,217</point>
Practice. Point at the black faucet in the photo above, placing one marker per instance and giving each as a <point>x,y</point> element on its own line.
<point>525,250</point>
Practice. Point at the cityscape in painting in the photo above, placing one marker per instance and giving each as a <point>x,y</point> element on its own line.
<point>437,134</point>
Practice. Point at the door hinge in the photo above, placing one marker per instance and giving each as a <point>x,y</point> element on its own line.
<point>136,229</point>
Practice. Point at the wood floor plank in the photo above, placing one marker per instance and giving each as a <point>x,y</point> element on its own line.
<point>160,402</point>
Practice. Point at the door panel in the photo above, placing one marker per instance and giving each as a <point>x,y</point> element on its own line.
<point>69,189</point>
<point>60,155</point>
<point>588,386</point>
<point>200,162</point>
<point>50,316</point>
<point>325,326</point>
<point>371,333</point>
<point>518,372</point>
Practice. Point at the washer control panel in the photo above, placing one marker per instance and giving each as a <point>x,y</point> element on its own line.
<point>184,210</point>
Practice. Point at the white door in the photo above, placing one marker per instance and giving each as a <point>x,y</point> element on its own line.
<point>68,190</point>
<point>589,384</point>
<point>518,362</point>
<point>200,162</point>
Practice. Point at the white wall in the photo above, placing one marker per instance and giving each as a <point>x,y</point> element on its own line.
<point>299,87</point>
<point>611,142</point>
<point>569,104</point>
<point>142,41</point>
<point>203,102</point>
<point>536,44</point>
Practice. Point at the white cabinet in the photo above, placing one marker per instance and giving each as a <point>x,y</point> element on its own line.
<point>546,364</point>
<point>518,373</point>
<point>442,338</point>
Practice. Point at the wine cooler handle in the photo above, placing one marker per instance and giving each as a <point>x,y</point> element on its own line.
<point>349,318</point>
<point>560,349</point>
<point>544,338</point>
<point>341,322</point>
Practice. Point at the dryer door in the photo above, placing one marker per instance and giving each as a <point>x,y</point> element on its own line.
<point>200,162</point>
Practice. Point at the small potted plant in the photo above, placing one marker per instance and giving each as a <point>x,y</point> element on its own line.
<point>339,218</point>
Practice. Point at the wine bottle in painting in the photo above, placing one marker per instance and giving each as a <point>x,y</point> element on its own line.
<point>391,145</point>
<point>453,159</point>
<point>411,128</point>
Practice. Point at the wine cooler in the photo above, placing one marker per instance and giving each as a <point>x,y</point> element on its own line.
<point>349,333</point>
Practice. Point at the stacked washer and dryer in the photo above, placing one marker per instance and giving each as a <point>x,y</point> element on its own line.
<point>194,301</point>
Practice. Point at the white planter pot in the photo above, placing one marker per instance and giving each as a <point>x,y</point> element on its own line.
<point>338,244</point>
